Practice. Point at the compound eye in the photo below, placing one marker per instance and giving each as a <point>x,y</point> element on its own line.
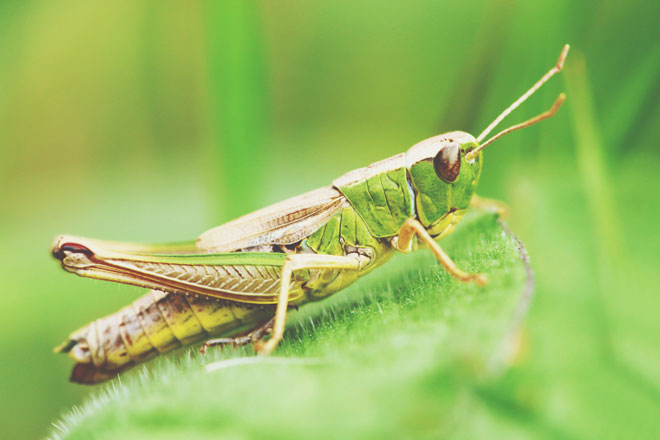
<point>447,163</point>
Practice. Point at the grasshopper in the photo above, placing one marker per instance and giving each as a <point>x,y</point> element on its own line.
<point>238,279</point>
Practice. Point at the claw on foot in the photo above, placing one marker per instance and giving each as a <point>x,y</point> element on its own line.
<point>265,348</point>
<point>480,279</point>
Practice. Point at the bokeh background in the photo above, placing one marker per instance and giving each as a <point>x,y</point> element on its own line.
<point>152,121</point>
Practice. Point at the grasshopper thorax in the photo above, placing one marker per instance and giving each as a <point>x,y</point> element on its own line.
<point>442,177</point>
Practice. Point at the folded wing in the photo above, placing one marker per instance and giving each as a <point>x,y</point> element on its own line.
<point>284,223</point>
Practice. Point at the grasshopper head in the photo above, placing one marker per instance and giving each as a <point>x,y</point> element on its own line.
<point>444,177</point>
<point>445,169</point>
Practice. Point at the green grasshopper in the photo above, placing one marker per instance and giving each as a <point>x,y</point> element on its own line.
<point>238,279</point>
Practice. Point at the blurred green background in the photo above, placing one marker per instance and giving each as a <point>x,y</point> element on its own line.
<point>152,121</point>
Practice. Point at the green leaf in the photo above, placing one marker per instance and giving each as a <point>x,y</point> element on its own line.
<point>406,352</point>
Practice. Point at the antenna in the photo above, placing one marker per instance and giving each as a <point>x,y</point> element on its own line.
<point>545,115</point>
<point>556,68</point>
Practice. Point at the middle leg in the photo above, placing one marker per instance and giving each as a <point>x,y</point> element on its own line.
<point>292,264</point>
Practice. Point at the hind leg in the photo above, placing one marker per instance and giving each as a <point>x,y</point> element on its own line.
<point>253,337</point>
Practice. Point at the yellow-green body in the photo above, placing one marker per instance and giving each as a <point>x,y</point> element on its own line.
<point>237,276</point>
<point>360,214</point>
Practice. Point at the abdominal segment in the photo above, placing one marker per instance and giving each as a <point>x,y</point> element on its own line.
<point>155,323</point>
